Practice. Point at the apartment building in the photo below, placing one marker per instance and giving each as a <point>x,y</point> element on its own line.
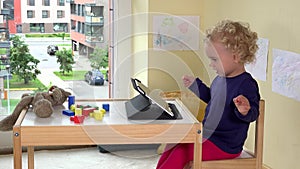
<point>89,20</point>
<point>4,38</point>
<point>45,16</point>
<point>38,16</point>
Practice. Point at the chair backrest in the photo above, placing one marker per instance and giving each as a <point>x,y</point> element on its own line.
<point>259,133</point>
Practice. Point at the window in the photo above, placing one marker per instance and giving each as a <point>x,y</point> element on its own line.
<point>82,9</point>
<point>94,10</point>
<point>45,14</point>
<point>30,14</point>
<point>94,33</point>
<point>83,28</point>
<point>73,24</point>
<point>60,27</point>
<point>37,27</point>
<point>19,28</point>
<point>79,27</point>
<point>31,2</point>
<point>61,2</point>
<point>60,14</point>
<point>46,2</point>
<point>73,9</point>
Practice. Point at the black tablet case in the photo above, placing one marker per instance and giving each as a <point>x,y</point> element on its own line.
<point>141,108</point>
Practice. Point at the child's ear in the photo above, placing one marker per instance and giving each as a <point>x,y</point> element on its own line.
<point>236,58</point>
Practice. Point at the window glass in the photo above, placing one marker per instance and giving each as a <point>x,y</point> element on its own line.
<point>37,27</point>
<point>46,3</point>
<point>60,14</point>
<point>61,2</point>
<point>30,14</point>
<point>45,14</point>
<point>31,2</point>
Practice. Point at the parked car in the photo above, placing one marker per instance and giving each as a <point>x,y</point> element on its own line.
<point>51,49</point>
<point>94,77</point>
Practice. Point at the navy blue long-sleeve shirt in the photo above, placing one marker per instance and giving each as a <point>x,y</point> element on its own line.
<point>223,124</point>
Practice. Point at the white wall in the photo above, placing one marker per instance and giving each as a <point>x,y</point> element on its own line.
<point>38,12</point>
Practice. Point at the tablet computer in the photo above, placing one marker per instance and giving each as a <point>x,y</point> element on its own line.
<point>153,95</point>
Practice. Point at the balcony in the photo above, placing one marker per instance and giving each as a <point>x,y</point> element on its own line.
<point>92,40</point>
<point>94,20</point>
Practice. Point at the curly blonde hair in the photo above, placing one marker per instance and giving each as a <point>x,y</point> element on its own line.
<point>237,37</point>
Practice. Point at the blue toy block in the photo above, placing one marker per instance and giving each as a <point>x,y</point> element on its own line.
<point>68,113</point>
<point>105,107</point>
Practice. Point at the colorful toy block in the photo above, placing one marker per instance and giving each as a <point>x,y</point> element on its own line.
<point>105,107</point>
<point>78,111</point>
<point>92,114</point>
<point>77,119</point>
<point>82,106</point>
<point>73,107</point>
<point>87,111</point>
<point>103,111</point>
<point>71,100</point>
<point>98,114</point>
<point>68,113</point>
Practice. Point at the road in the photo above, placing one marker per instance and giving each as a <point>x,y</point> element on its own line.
<point>80,88</point>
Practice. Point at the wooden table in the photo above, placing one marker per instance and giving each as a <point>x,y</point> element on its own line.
<point>115,128</point>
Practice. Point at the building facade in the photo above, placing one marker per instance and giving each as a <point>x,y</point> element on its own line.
<point>38,16</point>
<point>4,38</point>
<point>89,20</point>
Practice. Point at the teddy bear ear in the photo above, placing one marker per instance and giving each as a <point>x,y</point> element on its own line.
<point>67,93</point>
<point>52,88</point>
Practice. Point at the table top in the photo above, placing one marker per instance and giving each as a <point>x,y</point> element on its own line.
<point>116,116</point>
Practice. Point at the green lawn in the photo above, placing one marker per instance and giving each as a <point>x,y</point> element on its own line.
<point>12,103</point>
<point>15,82</point>
<point>46,35</point>
<point>74,75</point>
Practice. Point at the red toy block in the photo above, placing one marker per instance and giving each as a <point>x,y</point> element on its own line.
<point>77,119</point>
<point>87,111</point>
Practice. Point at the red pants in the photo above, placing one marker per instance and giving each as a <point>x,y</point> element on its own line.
<point>178,156</point>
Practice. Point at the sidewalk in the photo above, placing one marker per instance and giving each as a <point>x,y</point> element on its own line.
<point>47,77</point>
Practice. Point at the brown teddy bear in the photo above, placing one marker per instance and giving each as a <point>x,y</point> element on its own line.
<point>42,104</point>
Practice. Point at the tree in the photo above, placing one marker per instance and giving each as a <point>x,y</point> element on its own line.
<point>65,58</point>
<point>22,63</point>
<point>62,35</point>
<point>99,58</point>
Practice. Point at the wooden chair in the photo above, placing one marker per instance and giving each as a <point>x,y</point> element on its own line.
<point>253,162</point>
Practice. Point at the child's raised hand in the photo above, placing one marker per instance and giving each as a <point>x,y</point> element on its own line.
<point>188,80</point>
<point>242,104</point>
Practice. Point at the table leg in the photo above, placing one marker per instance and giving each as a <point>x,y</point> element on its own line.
<point>30,151</point>
<point>198,150</point>
<point>17,148</point>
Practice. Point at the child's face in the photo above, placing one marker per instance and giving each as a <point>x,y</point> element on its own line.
<point>222,60</point>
